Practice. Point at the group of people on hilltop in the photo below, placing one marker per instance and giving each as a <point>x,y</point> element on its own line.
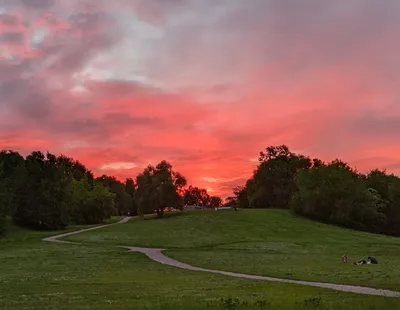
<point>371,260</point>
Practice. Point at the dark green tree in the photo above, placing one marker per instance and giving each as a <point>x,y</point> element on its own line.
<point>12,166</point>
<point>215,202</point>
<point>122,201</point>
<point>159,187</point>
<point>273,182</point>
<point>196,196</point>
<point>337,194</point>
<point>130,190</point>
<point>41,196</point>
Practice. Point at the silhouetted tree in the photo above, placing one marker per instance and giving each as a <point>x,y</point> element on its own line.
<point>89,204</point>
<point>159,187</point>
<point>41,197</point>
<point>337,194</point>
<point>214,202</point>
<point>273,181</point>
<point>122,201</point>
<point>196,196</point>
<point>12,165</point>
<point>130,189</point>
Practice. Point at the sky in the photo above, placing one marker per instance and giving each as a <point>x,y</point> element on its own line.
<point>203,84</point>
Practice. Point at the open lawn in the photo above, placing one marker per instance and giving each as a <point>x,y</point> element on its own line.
<point>43,275</point>
<point>263,242</point>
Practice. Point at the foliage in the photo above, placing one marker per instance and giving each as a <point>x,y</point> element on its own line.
<point>122,199</point>
<point>130,190</point>
<point>333,193</point>
<point>241,198</point>
<point>89,205</point>
<point>159,187</point>
<point>41,194</point>
<point>199,196</point>
<point>196,196</point>
<point>273,182</point>
<point>46,192</point>
<point>11,166</point>
<point>214,202</point>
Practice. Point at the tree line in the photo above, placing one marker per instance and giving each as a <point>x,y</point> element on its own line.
<point>47,192</point>
<point>331,192</point>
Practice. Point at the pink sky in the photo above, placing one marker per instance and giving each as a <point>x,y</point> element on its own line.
<point>204,84</point>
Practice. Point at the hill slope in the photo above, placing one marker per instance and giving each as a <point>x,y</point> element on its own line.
<point>263,242</point>
<point>101,276</point>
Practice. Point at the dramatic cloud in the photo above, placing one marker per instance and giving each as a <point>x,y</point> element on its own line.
<point>204,84</point>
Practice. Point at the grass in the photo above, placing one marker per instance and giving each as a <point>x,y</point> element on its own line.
<point>263,242</point>
<point>41,275</point>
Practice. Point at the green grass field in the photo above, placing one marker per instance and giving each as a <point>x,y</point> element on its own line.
<point>97,275</point>
<point>263,242</point>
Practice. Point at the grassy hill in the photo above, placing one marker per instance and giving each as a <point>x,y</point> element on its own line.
<point>97,275</point>
<point>263,242</point>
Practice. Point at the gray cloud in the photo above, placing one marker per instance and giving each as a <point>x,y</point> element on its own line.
<point>8,19</point>
<point>12,37</point>
<point>42,4</point>
<point>125,119</point>
<point>373,126</point>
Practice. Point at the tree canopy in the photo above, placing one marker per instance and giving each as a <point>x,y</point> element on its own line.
<point>329,192</point>
<point>44,191</point>
<point>159,187</point>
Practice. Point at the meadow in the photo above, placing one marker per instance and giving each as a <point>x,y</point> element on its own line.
<point>98,275</point>
<point>262,242</point>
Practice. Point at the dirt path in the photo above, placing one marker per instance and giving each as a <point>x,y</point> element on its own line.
<point>56,237</point>
<point>158,256</point>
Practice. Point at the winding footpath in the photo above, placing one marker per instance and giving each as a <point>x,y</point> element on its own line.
<point>158,256</point>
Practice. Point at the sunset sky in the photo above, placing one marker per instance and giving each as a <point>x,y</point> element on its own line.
<point>204,84</point>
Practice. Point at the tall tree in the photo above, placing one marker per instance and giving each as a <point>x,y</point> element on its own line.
<point>159,187</point>
<point>42,196</point>
<point>273,181</point>
<point>122,200</point>
<point>241,198</point>
<point>12,165</point>
<point>130,190</point>
<point>388,187</point>
<point>337,194</point>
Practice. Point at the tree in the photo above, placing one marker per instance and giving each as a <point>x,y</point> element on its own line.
<point>123,202</point>
<point>89,204</point>
<point>196,196</point>
<point>159,187</point>
<point>241,198</point>
<point>41,196</point>
<point>337,194</point>
<point>11,168</point>
<point>130,190</point>
<point>215,202</point>
<point>388,187</point>
<point>74,169</point>
<point>273,182</point>
<point>229,201</point>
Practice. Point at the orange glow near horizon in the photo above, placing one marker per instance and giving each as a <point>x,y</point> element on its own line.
<point>130,83</point>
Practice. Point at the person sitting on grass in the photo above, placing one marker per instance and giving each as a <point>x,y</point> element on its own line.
<point>372,260</point>
<point>360,262</point>
<point>344,259</point>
